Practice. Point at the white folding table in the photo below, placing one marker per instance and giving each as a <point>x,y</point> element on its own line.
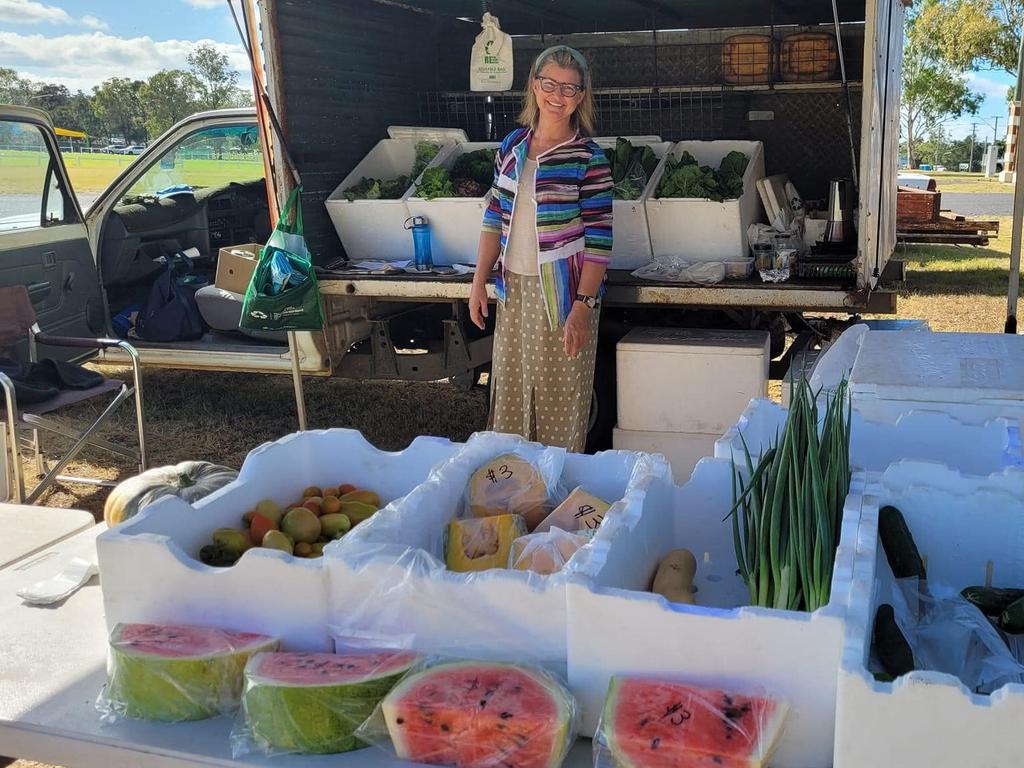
<point>25,530</point>
<point>53,667</point>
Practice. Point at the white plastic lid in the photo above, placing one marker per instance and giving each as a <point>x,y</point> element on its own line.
<point>426,134</point>
<point>699,341</point>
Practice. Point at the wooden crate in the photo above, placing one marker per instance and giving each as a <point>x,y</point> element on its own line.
<point>917,204</point>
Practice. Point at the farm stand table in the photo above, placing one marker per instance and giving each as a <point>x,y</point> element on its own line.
<point>53,667</point>
<point>25,530</point>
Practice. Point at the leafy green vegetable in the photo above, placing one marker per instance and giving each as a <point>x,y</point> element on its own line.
<point>435,182</point>
<point>631,168</point>
<point>425,152</point>
<point>686,178</point>
<point>378,189</point>
<point>476,166</point>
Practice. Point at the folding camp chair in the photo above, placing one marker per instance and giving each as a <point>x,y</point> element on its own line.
<point>23,424</point>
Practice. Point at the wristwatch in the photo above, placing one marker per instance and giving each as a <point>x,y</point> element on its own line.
<point>589,301</point>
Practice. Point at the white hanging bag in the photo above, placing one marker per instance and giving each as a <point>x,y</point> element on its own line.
<point>490,68</point>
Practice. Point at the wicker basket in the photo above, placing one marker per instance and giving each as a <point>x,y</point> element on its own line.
<point>808,57</point>
<point>747,59</point>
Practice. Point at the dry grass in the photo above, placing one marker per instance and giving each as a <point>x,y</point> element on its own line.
<point>951,181</point>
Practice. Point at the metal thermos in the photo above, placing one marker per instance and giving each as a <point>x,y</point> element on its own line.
<point>839,229</point>
<point>421,242</point>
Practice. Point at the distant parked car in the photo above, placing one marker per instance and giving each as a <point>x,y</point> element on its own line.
<point>964,167</point>
<point>133,149</point>
<point>112,149</point>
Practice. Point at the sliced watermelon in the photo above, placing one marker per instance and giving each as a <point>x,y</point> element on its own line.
<point>480,715</point>
<point>176,672</point>
<point>313,702</point>
<point>656,724</point>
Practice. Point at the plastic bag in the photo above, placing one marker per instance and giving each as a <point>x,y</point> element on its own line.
<point>490,68</point>
<point>283,294</point>
<point>581,512</point>
<point>678,270</point>
<point>522,481</point>
<point>175,673</point>
<point>476,714</point>
<point>664,722</point>
<point>312,703</point>
<point>545,553</point>
<point>949,634</point>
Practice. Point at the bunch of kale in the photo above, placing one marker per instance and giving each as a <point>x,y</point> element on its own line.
<point>392,189</point>
<point>686,178</point>
<point>471,176</point>
<point>631,168</point>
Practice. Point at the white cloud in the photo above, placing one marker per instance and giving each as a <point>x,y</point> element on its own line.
<point>987,86</point>
<point>205,3</point>
<point>81,61</point>
<point>32,12</point>
<point>94,23</point>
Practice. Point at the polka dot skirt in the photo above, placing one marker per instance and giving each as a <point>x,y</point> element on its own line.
<point>536,390</point>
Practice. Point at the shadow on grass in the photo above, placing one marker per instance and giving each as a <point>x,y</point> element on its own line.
<point>948,269</point>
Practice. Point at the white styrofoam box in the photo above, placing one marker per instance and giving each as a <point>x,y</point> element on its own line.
<point>454,221</point>
<point>374,230</point>
<point>929,719</point>
<point>978,449</point>
<point>148,566</point>
<point>617,627</point>
<point>631,237</point>
<point>388,583</point>
<point>703,230</point>
<point>682,449</point>
<point>973,376</point>
<point>689,379</point>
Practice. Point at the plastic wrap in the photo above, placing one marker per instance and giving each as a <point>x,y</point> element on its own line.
<point>580,511</point>
<point>522,481</point>
<point>649,722</point>
<point>312,703</point>
<point>946,633</point>
<point>679,270</point>
<point>476,714</point>
<point>175,673</point>
<point>545,553</point>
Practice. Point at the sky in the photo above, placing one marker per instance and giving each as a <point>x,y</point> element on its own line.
<point>81,43</point>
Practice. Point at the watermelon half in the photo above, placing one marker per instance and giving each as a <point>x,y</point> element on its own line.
<point>176,672</point>
<point>656,724</point>
<point>480,715</point>
<point>313,702</point>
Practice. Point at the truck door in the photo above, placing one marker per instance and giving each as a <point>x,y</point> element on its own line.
<point>44,243</point>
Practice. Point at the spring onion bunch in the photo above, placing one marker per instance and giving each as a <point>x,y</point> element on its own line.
<point>787,511</point>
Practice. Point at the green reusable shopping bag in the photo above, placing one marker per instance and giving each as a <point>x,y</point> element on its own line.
<point>283,294</point>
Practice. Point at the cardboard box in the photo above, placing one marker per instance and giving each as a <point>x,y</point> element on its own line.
<point>235,265</point>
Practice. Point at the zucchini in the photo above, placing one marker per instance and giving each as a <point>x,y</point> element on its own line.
<point>991,601</point>
<point>899,546</point>
<point>1012,619</point>
<point>891,646</point>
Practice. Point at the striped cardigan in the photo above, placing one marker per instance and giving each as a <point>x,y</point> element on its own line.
<point>574,214</point>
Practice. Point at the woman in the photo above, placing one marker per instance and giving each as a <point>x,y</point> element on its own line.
<point>548,229</point>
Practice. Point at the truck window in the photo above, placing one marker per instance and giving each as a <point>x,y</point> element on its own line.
<point>24,161</point>
<point>211,157</point>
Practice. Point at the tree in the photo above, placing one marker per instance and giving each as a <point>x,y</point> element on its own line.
<point>119,107</point>
<point>972,34</point>
<point>218,83</point>
<point>14,89</point>
<point>169,96</point>
<point>933,93</point>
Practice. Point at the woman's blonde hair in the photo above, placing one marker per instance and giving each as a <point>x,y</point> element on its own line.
<point>583,117</point>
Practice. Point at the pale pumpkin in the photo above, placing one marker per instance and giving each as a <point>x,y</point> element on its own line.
<point>189,480</point>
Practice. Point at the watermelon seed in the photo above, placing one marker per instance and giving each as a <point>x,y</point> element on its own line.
<point>444,727</point>
<point>717,760</point>
<point>655,742</point>
<point>483,703</point>
<point>505,715</point>
<point>399,720</point>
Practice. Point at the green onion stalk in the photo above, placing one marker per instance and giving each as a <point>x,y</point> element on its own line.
<point>787,511</point>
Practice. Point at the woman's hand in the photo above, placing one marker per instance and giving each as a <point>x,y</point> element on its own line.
<point>478,305</point>
<point>576,333</point>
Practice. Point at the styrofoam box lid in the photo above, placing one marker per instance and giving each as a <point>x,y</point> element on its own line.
<point>426,134</point>
<point>700,341</point>
<point>939,367</point>
<point>636,141</point>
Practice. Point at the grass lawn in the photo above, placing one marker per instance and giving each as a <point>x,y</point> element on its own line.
<point>951,181</point>
<point>23,172</point>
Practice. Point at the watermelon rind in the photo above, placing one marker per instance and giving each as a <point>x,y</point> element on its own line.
<point>565,707</point>
<point>314,717</point>
<point>768,732</point>
<point>188,684</point>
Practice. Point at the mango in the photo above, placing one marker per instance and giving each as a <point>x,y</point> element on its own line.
<point>335,526</point>
<point>346,488</point>
<point>330,505</point>
<point>260,526</point>
<point>357,511</point>
<point>302,549</point>
<point>313,504</point>
<point>231,540</point>
<point>270,510</point>
<point>366,497</point>
<point>318,548</point>
<point>277,540</point>
<point>302,526</point>
<point>312,490</point>
<point>247,517</point>
<point>331,490</point>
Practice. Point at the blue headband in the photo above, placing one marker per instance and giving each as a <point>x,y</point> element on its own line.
<point>576,56</point>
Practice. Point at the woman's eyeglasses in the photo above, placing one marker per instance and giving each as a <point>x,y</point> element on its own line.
<point>569,90</point>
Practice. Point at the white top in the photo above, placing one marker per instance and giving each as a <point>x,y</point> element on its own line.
<point>703,341</point>
<point>522,248</point>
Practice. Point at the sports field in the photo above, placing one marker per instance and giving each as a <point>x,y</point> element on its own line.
<point>22,172</point>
